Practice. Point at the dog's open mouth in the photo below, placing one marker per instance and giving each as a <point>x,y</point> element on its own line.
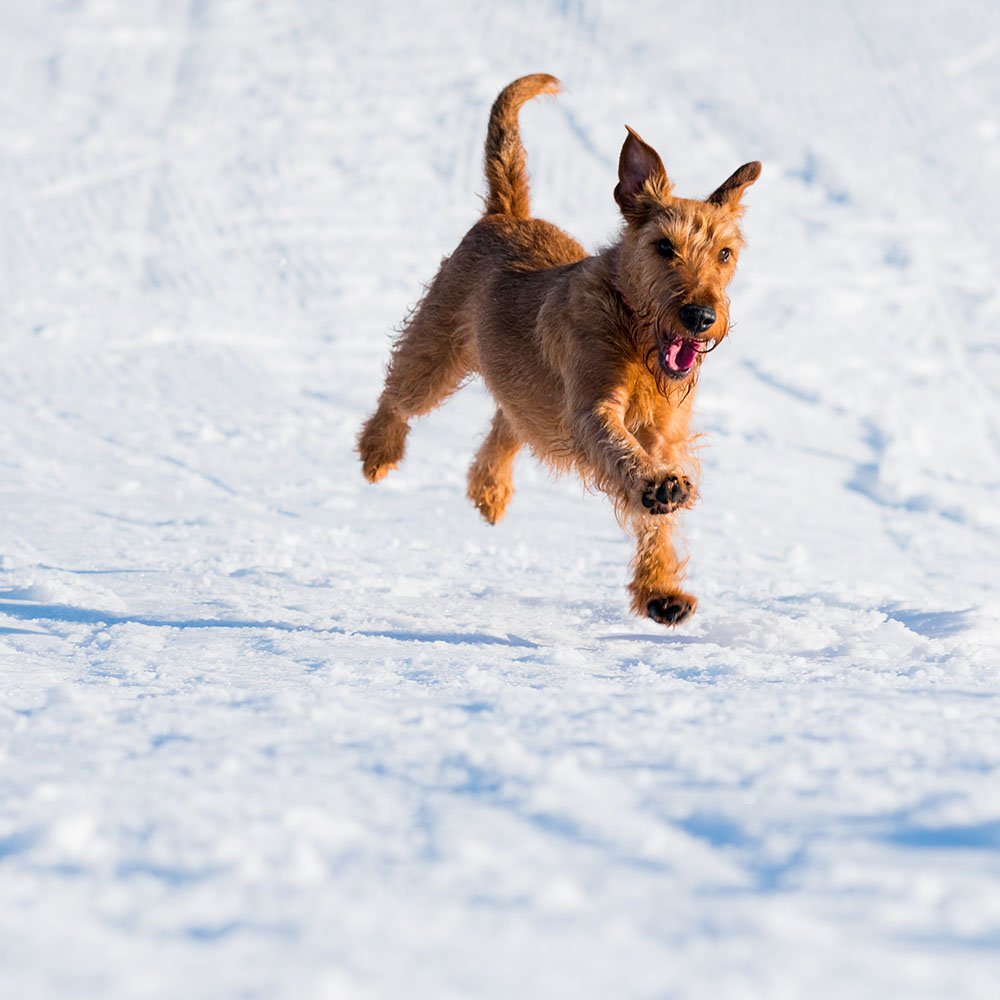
<point>679,354</point>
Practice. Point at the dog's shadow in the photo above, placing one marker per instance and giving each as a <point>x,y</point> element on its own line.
<point>18,605</point>
<point>15,604</point>
<point>929,624</point>
<point>668,638</point>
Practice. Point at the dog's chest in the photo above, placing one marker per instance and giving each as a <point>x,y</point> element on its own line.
<point>649,414</point>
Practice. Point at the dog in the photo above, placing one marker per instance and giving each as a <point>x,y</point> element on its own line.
<point>592,360</point>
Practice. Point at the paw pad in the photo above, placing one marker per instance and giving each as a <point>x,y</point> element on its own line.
<point>666,495</point>
<point>670,610</point>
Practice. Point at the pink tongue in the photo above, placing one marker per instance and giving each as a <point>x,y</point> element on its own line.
<point>681,354</point>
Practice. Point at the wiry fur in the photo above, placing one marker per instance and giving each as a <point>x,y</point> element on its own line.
<point>570,345</point>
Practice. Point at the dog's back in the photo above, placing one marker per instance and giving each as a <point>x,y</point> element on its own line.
<point>493,289</point>
<point>487,312</point>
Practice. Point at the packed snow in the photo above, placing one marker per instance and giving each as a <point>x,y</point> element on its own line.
<point>268,731</point>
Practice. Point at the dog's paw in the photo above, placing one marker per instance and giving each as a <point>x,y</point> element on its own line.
<point>491,504</point>
<point>671,609</point>
<point>668,493</point>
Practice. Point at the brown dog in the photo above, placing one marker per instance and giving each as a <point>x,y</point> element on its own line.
<point>592,360</point>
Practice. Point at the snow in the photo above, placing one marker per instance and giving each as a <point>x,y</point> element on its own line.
<point>268,731</point>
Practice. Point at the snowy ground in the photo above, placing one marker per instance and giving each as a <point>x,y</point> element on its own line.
<point>267,731</point>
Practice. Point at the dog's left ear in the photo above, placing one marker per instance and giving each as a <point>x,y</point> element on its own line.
<point>640,169</point>
<point>730,191</point>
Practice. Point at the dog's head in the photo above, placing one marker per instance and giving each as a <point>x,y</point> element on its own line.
<point>677,257</point>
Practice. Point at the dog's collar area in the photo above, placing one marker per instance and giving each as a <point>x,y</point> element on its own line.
<point>631,314</point>
<point>625,301</point>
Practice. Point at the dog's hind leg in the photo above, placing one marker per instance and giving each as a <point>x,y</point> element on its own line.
<point>429,362</point>
<point>657,573</point>
<point>490,484</point>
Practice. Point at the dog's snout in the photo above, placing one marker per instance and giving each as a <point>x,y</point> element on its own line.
<point>697,319</point>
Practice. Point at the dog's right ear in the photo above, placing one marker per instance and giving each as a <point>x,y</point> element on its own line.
<point>729,192</point>
<point>639,170</point>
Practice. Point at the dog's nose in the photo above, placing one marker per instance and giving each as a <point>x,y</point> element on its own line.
<point>697,318</point>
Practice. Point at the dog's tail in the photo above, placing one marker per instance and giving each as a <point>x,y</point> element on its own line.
<point>506,171</point>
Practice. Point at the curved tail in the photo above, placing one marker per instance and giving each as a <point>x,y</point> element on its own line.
<point>506,171</point>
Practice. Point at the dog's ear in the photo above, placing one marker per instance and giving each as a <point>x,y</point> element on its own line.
<point>639,169</point>
<point>730,191</point>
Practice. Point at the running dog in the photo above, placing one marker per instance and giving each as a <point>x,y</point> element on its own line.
<point>592,360</point>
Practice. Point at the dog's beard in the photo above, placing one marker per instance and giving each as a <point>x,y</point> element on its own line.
<point>673,360</point>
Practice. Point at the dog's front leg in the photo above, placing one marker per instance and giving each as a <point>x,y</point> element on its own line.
<point>657,573</point>
<point>622,467</point>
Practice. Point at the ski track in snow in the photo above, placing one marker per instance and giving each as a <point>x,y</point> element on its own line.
<point>266,731</point>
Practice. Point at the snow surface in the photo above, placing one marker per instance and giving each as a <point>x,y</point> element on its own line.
<point>268,731</point>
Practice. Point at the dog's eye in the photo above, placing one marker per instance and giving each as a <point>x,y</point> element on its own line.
<point>665,248</point>
<point>724,254</point>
